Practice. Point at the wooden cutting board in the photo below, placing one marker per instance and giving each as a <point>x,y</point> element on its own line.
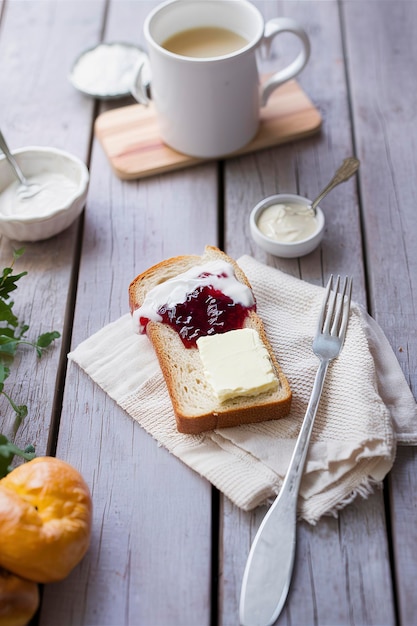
<point>130,138</point>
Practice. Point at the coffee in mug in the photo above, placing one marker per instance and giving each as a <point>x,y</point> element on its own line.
<point>204,78</point>
<point>205,41</point>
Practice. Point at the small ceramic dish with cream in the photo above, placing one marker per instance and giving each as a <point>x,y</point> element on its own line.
<point>284,225</point>
<point>63,181</point>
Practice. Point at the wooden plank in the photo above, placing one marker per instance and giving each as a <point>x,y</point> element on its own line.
<point>403,495</point>
<point>39,107</point>
<point>341,565</point>
<point>150,558</point>
<point>385,132</point>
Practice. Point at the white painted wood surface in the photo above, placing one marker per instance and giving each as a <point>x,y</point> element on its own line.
<point>167,549</point>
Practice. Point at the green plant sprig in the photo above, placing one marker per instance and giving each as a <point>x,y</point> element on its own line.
<point>8,451</point>
<point>12,335</point>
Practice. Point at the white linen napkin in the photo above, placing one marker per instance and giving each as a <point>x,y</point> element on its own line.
<point>365,410</point>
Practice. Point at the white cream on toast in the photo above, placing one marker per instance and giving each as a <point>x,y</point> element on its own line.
<point>166,300</point>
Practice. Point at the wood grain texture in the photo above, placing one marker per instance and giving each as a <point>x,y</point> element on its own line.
<point>150,557</point>
<point>386,137</point>
<point>39,107</point>
<point>130,135</point>
<point>402,486</point>
<point>337,580</point>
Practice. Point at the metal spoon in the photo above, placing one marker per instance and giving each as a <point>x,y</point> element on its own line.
<point>25,189</point>
<point>345,171</point>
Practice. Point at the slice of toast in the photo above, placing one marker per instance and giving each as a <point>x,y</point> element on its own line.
<point>196,407</point>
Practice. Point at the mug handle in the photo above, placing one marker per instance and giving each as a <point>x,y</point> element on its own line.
<point>140,87</point>
<point>275,27</point>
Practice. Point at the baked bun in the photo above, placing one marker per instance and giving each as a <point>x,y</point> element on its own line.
<point>19,599</point>
<point>45,519</point>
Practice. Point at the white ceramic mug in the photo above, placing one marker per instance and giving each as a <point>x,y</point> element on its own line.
<point>209,107</point>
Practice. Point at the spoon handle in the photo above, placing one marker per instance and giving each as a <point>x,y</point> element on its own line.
<point>5,148</point>
<point>345,171</point>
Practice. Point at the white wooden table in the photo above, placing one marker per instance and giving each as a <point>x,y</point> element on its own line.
<point>168,549</point>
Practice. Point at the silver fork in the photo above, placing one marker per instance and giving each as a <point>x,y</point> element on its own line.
<point>269,567</point>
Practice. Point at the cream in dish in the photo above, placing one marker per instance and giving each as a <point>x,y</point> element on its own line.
<point>55,190</point>
<point>287,222</point>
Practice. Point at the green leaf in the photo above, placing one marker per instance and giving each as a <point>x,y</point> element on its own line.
<point>12,335</point>
<point>46,339</point>
<point>6,313</point>
<point>8,282</point>
<point>22,330</point>
<point>7,332</point>
<point>18,253</point>
<point>4,372</point>
<point>8,451</point>
<point>8,348</point>
<point>21,412</point>
<point>6,339</point>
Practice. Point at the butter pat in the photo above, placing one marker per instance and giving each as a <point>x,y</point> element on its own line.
<point>236,363</point>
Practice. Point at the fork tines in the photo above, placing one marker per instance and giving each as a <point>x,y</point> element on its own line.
<point>332,320</point>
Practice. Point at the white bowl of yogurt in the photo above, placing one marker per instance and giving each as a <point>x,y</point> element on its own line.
<point>63,179</point>
<point>285,226</point>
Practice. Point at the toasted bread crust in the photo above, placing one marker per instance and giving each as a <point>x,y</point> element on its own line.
<point>195,407</point>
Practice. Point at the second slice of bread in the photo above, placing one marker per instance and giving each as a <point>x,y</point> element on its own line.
<point>196,407</point>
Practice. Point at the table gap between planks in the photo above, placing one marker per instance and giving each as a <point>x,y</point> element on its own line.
<point>167,549</point>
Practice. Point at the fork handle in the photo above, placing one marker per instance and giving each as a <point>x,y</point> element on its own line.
<point>269,567</point>
<point>5,148</point>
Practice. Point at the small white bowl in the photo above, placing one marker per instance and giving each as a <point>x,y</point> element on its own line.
<point>106,71</point>
<point>34,161</point>
<point>285,249</point>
